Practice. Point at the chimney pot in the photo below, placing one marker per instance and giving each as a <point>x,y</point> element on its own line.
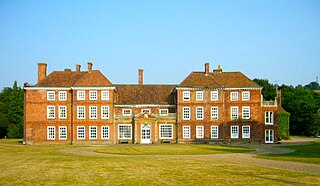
<point>78,67</point>
<point>140,76</point>
<point>206,68</point>
<point>67,69</point>
<point>89,66</point>
<point>42,71</point>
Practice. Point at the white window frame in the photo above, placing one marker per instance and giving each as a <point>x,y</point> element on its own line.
<point>214,132</point>
<point>199,132</point>
<point>81,95</point>
<point>93,109</point>
<point>84,132</point>
<point>105,112</point>
<point>78,112</point>
<point>105,132</point>
<point>93,132</point>
<point>51,95</point>
<point>162,128</point>
<point>124,110</point>
<point>215,113</point>
<point>63,132</point>
<point>62,95</point>
<point>199,95</point>
<point>49,109</point>
<point>199,113</point>
<point>61,109</point>
<point>93,95</point>
<point>105,95</point>
<point>186,95</point>
<point>246,110</point>
<point>163,114</point>
<point>234,96</point>
<point>129,126</point>
<point>214,95</point>
<point>245,135</point>
<point>186,111</point>
<point>245,96</point>
<point>186,132</point>
<point>51,132</point>
<point>269,117</point>
<point>234,131</point>
<point>232,114</point>
<point>146,111</point>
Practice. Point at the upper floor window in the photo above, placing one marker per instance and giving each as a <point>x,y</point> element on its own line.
<point>51,95</point>
<point>234,96</point>
<point>81,95</point>
<point>51,112</point>
<point>186,95</point>
<point>93,112</point>
<point>234,113</point>
<point>105,95</point>
<point>214,96</point>
<point>126,112</point>
<point>93,95</point>
<point>62,112</point>
<point>62,95</point>
<point>186,113</point>
<point>269,118</point>
<point>199,95</point>
<point>104,112</point>
<point>245,112</point>
<point>145,111</point>
<point>199,113</point>
<point>81,112</point>
<point>246,96</point>
<point>164,112</point>
<point>214,112</point>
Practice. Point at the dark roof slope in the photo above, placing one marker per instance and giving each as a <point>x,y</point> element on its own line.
<point>217,79</point>
<point>145,94</point>
<point>92,78</point>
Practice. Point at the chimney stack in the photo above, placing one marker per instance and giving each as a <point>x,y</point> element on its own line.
<point>78,67</point>
<point>140,76</point>
<point>89,66</point>
<point>42,71</point>
<point>279,97</point>
<point>206,68</point>
<point>67,70</point>
<point>219,69</point>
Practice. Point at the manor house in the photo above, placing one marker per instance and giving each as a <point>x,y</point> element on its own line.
<point>84,107</point>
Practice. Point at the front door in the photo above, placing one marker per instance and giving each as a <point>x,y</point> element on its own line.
<point>145,133</point>
<point>269,136</point>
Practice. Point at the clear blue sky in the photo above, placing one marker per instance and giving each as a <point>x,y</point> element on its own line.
<point>275,40</point>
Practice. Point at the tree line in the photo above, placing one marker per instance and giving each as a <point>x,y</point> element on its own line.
<point>302,102</point>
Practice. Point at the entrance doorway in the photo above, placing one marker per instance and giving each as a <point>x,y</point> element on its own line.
<point>145,133</point>
<point>269,136</point>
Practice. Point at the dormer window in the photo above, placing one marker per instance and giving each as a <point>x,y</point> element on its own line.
<point>186,95</point>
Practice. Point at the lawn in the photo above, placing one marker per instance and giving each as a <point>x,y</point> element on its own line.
<point>46,165</point>
<point>303,153</point>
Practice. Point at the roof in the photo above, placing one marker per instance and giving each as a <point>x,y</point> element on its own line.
<point>218,79</point>
<point>93,78</point>
<point>145,94</point>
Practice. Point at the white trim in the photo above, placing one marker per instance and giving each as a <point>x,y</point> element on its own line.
<point>171,131</point>
<point>143,105</point>
<point>46,88</point>
<point>219,88</point>
<point>93,88</point>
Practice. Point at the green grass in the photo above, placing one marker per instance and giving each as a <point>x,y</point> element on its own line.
<point>52,165</point>
<point>303,153</point>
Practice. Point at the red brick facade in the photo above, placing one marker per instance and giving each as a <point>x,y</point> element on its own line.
<point>76,107</point>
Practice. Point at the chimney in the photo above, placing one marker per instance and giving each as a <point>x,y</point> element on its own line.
<point>279,97</point>
<point>206,68</point>
<point>89,66</point>
<point>67,70</point>
<point>78,67</point>
<point>140,76</point>
<point>219,69</point>
<point>42,71</point>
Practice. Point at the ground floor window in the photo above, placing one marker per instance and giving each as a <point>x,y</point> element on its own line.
<point>246,131</point>
<point>125,131</point>
<point>234,131</point>
<point>62,132</point>
<point>80,132</point>
<point>166,131</point>
<point>51,132</point>
<point>199,132</point>
<point>186,132</point>
<point>214,131</point>
<point>93,132</point>
<point>269,136</point>
<point>105,132</point>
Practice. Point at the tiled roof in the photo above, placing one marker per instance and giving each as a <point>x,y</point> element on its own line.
<point>217,79</point>
<point>145,94</point>
<point>93,78</point>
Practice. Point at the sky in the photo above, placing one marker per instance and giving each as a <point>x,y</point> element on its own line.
<point>274,40</point>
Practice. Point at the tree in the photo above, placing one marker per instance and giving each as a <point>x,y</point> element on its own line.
<point>4,109</point>
<point>313,86</point>
<point>314,128</point>
<point>268,90</point>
